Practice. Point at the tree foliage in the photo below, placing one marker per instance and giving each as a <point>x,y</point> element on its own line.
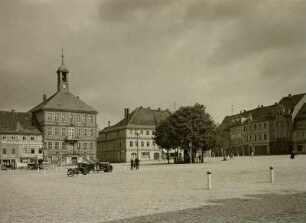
<point>191,124</point>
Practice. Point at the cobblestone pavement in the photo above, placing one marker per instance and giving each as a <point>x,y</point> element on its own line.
<point>258,208</point>
<point>51,196</point>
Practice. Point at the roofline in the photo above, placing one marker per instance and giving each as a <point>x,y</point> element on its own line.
<point>112,128</point>
<point>21,133</point>
<point>54,109</point>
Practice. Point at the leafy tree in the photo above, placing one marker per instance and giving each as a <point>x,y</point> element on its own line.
<point>190,125</point>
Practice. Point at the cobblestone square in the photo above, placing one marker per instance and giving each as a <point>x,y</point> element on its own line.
<point>51,196</point>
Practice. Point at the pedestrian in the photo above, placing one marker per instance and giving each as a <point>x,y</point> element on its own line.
<point>199,158</point>
<point>132,164</point>
<point>137,164</point>
<point>291,152</point>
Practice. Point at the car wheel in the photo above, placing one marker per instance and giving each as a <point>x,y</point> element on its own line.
<point>70,173</point>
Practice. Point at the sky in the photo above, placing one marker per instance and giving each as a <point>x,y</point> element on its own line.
<point>229,55</point>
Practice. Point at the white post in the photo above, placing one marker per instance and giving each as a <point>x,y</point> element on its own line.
<point>123,167</point>
<point>272,174</point>
<point>208,179</point>
<point>44,172</point>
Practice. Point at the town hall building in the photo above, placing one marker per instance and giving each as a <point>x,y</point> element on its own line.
<point>68,124</point>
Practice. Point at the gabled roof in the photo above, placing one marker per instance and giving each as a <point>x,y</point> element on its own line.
<point>65,101</point>
<point>262,113</point>
<point>291,100</point>
<point>17,123</point>
<point>302,113</point>
<point>141,116</point>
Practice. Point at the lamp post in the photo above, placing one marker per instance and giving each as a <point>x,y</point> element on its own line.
<point>190,151</point>
<point>137,136</point>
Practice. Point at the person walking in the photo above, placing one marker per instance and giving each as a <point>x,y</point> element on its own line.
<point>291,152</point>
<point>132,164</point>
<point>137,164</point>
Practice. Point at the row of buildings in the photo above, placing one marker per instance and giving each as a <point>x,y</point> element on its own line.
<point>63,129</point>
<point>265,130</point>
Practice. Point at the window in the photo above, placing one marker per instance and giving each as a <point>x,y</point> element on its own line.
<point>71,117</point>
<point>79,145</point>
<point>32,150</point>
<point>4,151</point>
<point>32,138</point>
<point>85,133</point>
<point>90,119</point>
<point>56,131</point>
<point>40,151</point>
<point>91,146</point>
<point>148,144</point>
<point>259,126</point>
<point>56,145</point>
<point>13,137</point>
<point>131,143</point>
<point>265,125</point>
<point>153,132</point>
<point>49,116</point>
<point>78,132</point>
<point>13,150</point>
<point>120,144</point>
<point>70,132</point>
<point>84,118</point>
<point>84,145</point>
<point>145,155</point>
<point>254,137</point>
<point>64,131</point>
<point>64,146</point>
<point>131,131</point>
<point>265,137</point>
<point>24,137</point>
<point>78,118</point>
<point>63,117</point>
<point>49,131</point>
<point>148,133</point>
<point>136,143</point>
<point>91,132</point>
<point>255,127</point>
<point>3,136</point>
<point>142,143</point>
<point>141,132</point>
<point>56,117</point>
<point>259,137</point>
<point>50,145</point>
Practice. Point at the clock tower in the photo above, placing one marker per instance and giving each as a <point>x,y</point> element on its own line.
<point>62,77</point>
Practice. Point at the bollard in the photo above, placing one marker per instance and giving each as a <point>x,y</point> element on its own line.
<point>44,172</point>
<point>272,174</point>
<point>208,179</point>
<point>123,167</point>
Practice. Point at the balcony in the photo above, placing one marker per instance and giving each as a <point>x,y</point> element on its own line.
<point>72,139</point>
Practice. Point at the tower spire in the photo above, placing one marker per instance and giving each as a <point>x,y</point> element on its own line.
<point>62,56</point>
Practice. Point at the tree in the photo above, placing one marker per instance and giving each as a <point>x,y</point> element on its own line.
<point>188,125</point>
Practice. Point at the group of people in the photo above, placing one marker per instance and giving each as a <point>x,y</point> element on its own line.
<point>135,164</point>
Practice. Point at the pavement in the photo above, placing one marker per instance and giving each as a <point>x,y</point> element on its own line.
<point>159,193</point>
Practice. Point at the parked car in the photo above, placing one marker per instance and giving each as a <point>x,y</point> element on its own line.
<point>85,168</point>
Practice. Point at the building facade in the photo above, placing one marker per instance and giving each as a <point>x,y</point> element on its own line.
<point>21,142</point>
<point>264,130</point>
<point>132,137</point>
<point>68,124</point>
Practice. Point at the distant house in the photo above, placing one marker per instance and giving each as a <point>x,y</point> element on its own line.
<point>20,139</point>
<point>131,137</point>
<point>263,130</point>
<point>68,124</point>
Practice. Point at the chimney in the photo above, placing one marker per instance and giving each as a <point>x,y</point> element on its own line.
<point>44,97</point>
<point>289,95</point>
<point>12,110</point>
<point>108,123</point>
<point>126,113</point>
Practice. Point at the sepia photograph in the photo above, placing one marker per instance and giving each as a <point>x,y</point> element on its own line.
<point>144,111</point>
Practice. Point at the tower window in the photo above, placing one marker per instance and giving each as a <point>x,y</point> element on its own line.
<point>64,77</point>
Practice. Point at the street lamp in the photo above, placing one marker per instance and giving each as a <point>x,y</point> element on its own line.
<point>137,135</point>
<point>190,149</point>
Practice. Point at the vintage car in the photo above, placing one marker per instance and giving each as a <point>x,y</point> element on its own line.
<point>85,168</point>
